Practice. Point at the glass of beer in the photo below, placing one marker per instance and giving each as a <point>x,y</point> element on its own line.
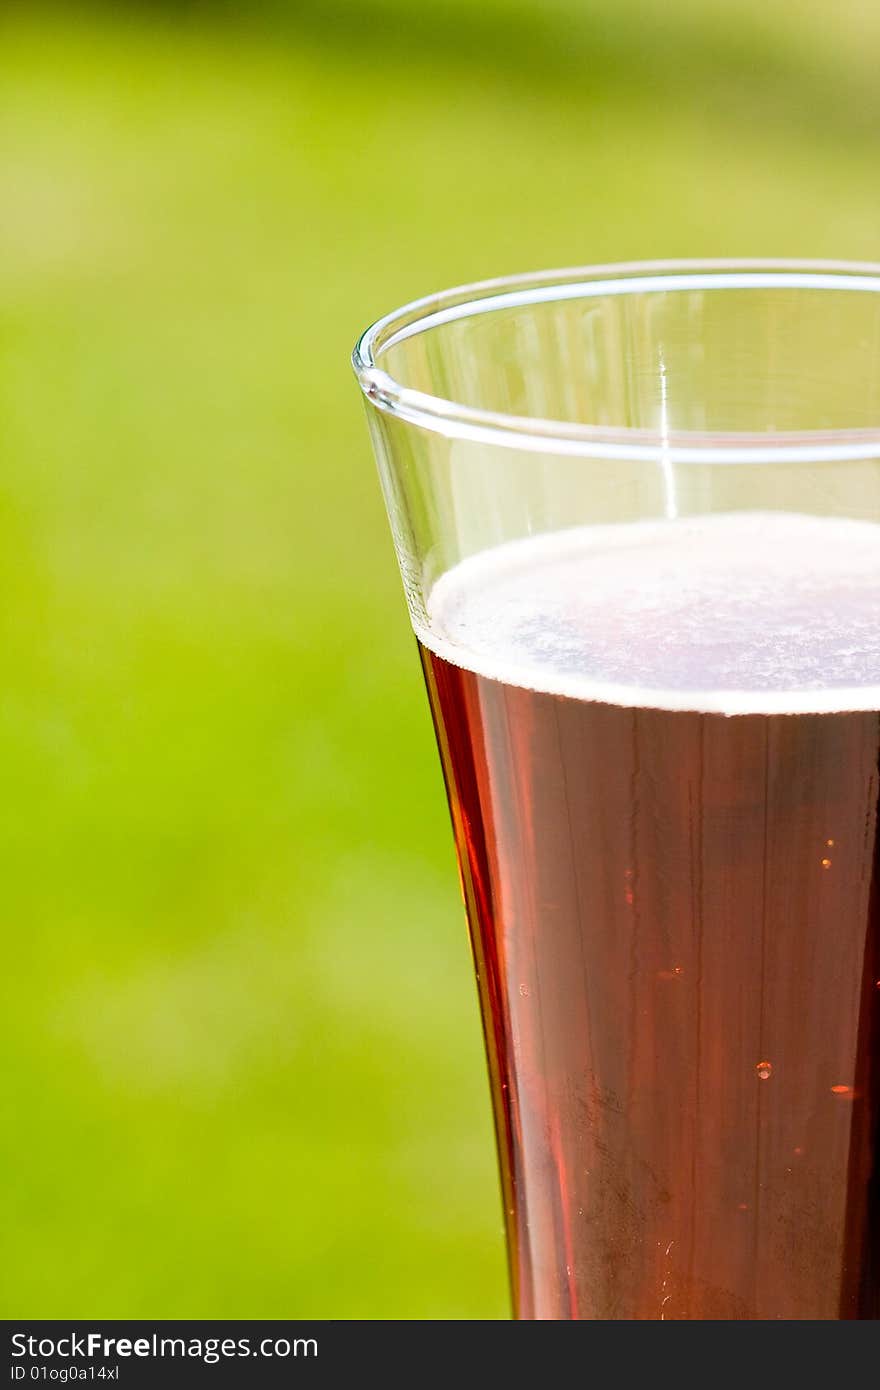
<point>637,514</point>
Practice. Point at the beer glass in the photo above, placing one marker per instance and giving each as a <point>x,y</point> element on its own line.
<point>637,515</point>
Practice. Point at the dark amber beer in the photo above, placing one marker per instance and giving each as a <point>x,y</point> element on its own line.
<point>661,746</point>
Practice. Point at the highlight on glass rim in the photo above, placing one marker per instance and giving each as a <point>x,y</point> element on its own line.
<point>439,857</point>
<point>642,562</point>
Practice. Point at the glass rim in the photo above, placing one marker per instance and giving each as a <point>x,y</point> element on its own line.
<point>534,434</point>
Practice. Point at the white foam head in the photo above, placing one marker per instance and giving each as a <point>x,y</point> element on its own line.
<point>746,612</point>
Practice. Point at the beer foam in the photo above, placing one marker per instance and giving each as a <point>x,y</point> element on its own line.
<point>735,613</point>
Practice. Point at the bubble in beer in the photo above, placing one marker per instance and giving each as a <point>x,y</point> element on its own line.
<point>826,863</point>
<point>764,1069</point>
<point>752,623</point>
<point>843,1091</point>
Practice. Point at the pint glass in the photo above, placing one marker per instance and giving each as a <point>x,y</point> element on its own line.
<point>637,515</point>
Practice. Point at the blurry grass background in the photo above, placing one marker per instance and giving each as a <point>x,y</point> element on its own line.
<point>242,1068</point>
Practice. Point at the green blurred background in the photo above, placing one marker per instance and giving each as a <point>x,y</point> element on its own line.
<point>242,1065</point>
